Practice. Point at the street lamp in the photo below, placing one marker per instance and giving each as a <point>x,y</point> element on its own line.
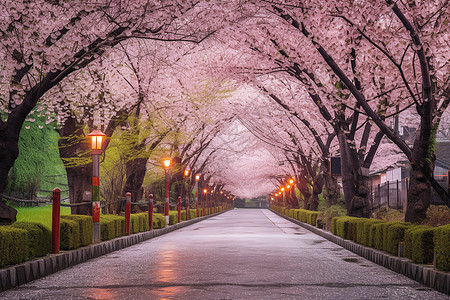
<point>96,137</point>
<point>197,179</point>
<point>186,196</point>
<point>205,201</point>
<point>166,165</point>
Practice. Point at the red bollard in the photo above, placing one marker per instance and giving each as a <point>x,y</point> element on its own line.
<point>187,210</point>
<point>150,212</point>
<point>55,219</point>
<point>179,209</point>
<point>127,213</point>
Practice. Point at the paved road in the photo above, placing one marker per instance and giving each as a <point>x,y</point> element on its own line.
<point>240,254</point>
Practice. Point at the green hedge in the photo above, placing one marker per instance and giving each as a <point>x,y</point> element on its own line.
<point>143,222</point>
<point>422,248</point>
<point>342,227</point>
<point>386,227</point>
<point>408,239</point>
<point>39,238</point>
<point>173,217</point>
<point>159,221</point>
<point>111,226</point>
<point>85,228</point>
<point>363,230</point>
<point>13,245</point>
<point>395,235</point>
<point>333,225</point>
<point>312,217</point>
<point>442,247</point>
<point>69,236</point>
<point>353,228</point>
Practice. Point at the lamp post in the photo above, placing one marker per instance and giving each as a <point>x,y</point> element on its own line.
<point>96,137</point>
<point>284,196</point>
<point>205,199</point>
<point>197,179</point>
<point>186,197</point>
<point>166,165</point>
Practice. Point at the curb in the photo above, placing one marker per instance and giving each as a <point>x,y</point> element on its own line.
<point>426,275</point>
<point>14,276</point>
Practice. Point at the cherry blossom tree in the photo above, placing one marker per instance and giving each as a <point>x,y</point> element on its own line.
<point>407,40</point>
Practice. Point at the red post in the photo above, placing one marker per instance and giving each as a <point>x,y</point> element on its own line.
<point>187,209</point>
<point>150,212</point>
<point>127,213</point>
<point>179,209</point>
<point>55,219</point>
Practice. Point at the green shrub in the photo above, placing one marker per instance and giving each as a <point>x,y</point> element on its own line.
<point>442,247</point>
<point>143,221</point>
<point>85,223</point>
<point>385,233</point>
<point>159,221</point>
<point>378,234</point>
<point>173,217</point>
<point>333,225</point>
<point>39,239</point>
<point>363,230</point>
<point>134,224</point>
<point>111,226</point>
<point>342,226</point>
<point>69,234</point>
<point>422,245</point>
<point>312,217</point>
<point>192,214</point>
<point>395,234</point>
<point>13,245</point>
<point>408,239</point>
<point>353,228</point>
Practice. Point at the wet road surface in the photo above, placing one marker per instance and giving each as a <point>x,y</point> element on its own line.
<point>240,254</point>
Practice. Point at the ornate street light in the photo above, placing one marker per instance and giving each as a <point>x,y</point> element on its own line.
<point>97,138</point>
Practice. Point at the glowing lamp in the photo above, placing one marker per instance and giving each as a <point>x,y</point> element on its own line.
<point>205,191</point>
<point>166,163</point>
<point>197,177</point>
<point>186,172</point>
<point>291,181</point>
<point>282,189</point>
<point>96,137</point>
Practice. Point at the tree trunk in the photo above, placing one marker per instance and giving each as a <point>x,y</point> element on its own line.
<point>135,172</point>
<point>355,185</point>
<point>74,153</point>
<point>332,189</point>
<point>79,180</point>
<point>9,151</point>
<point>317,190</point>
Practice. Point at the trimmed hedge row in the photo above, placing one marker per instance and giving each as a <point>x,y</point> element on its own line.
<point>23,241</point>
<point>303,215</point>
<point>442,247</point>
<point>420,241</point>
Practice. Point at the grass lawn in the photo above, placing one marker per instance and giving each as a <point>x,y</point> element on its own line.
<point>38,214</point>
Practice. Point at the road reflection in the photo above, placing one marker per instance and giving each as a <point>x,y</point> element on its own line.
<point>166,272</point>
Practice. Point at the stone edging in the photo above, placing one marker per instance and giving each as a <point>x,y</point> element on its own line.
<point>428,276</point>
<point>13,276</point>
